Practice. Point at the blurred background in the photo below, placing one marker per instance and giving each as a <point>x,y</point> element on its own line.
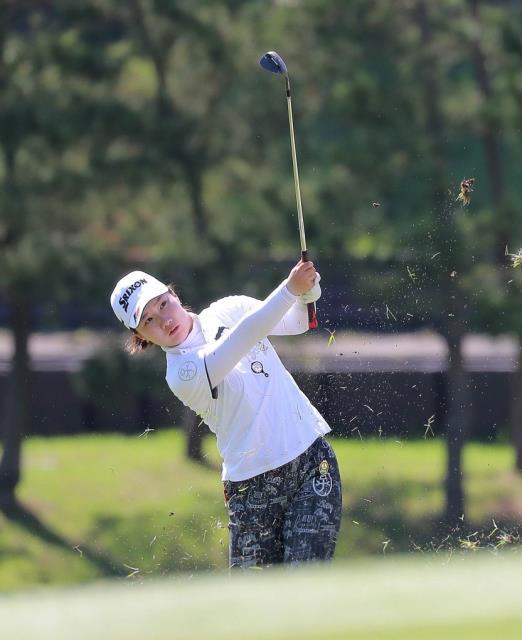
<point>144,135</point>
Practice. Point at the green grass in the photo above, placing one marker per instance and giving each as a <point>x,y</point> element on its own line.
<point>107,505</point>
<point>420,597</point>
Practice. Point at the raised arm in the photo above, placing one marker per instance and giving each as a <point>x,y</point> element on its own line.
<point>258,323</point>
<point>295,320</point>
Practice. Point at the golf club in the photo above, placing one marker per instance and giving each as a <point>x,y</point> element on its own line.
<point>273,62</point>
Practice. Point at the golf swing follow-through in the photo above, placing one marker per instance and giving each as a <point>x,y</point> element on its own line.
<point>273,62</point>
<point>281,480</point>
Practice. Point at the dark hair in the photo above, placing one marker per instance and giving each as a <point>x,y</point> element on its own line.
<point>135,343</point>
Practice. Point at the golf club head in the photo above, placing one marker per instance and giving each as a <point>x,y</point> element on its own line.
<point>273,62</point>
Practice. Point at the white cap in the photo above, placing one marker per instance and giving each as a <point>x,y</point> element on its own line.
<point>132,293</point>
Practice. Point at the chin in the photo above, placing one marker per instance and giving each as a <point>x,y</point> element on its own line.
<point>173,342</point>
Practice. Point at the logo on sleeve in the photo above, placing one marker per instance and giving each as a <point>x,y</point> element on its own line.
<point>187,371</point>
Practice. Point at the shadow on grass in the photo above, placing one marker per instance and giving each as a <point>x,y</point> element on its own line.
<point>17,513</point>
<point>380,521</point>
<point>156,545</point>
<point>207,463</point>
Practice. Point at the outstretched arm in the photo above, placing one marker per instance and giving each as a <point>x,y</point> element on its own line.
<point>257,324</point>
<point>295,320</point>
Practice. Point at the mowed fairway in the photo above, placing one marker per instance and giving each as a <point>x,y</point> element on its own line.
<point>421,597</point>
<point>104,506</point>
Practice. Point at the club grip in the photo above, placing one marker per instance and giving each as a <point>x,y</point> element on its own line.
<point>312,309</point>
<point>312,316</point>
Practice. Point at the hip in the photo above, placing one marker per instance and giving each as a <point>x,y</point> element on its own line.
<point>317,466</point>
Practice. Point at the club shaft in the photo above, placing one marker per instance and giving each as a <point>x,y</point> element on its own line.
<point>312,312</point>
<point>296,170</point>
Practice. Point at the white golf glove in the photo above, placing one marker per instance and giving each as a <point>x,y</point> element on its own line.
<point>314,294</point>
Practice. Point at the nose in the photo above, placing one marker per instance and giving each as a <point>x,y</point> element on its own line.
<point>164,318</point>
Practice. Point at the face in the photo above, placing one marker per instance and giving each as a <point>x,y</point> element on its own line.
<point>164,321</point>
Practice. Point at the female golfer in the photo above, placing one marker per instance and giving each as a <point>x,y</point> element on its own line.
<point>281,480</point>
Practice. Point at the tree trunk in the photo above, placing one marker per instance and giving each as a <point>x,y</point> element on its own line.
<point>195,431</point>
<point>457,426</point>
<point>516,418</point>
<point>516,415</point>
<point>194,179</point>
<point>492,143</point>
<point>490,139</point>
<point>445,235</point>
<point>158,57</point>
<point>16,410</point>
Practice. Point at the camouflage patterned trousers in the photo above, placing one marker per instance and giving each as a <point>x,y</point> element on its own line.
<point>289,514</point>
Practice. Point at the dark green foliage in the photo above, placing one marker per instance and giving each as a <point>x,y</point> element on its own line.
<point>144,135</point>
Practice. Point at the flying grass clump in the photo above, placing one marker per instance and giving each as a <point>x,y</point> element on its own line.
<point>516,258</point>
<point>466,189</point>
<point>496,539</point>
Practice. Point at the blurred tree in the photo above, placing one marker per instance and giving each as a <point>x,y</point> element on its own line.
<point>396,114</point>
<point>107,118</point>
<point>53,64</point>
<point>185,51</point>
<point>453,262</point>
<point>144,135</point>
<point>486,36</point>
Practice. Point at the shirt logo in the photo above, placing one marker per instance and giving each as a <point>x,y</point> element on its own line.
<point>187,371</point>
<point>258,348</point>
<point>323,485</point>
<point>257,367</point>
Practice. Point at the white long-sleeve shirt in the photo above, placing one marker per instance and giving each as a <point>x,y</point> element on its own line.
<point>261,418</point>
